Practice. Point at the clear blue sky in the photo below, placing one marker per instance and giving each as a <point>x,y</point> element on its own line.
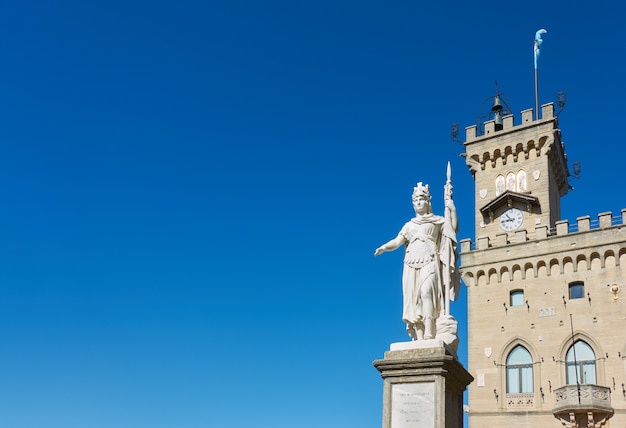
<point>192,192</point>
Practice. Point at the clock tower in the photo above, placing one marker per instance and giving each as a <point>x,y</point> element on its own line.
<point>520,174</point>
<point>546,342</point>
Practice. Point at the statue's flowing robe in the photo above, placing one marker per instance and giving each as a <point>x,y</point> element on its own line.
<point>429,261</point>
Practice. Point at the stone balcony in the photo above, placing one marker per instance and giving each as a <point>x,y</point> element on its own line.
<point>583,405</point>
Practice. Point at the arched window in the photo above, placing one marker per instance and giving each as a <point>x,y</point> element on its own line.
<point>510,182</point>
<point>581,364</point>
<point>521,181</point>
<point>519,371</point>
<point>500,186</point>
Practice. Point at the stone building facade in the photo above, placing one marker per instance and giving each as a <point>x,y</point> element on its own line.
<point>546,299</point>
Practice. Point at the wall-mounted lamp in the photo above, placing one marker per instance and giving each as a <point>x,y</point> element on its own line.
<point>589,297</point>
<point>606,355</point>
<point>613,384</point>
<point>550,386</point>
<point>619,354</point>
<point>542,359</point>
<point>542,394</point>
<point>614,289</point>
<point>623,391</point>
<point>505,308</point>
<point>553,359</point>
<point>564,302</point>
<point>527,305</point>
<point>495,393</point>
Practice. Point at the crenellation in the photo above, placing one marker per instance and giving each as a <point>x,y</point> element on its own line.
<point>527,116</point>
<point>541,232</point>
<point>508,125</point>
<point>490,127</point>
<point>508,122</point>
<point>470,133</point>
<point>605,219</point>
<point>547,111</point>
<point>562,227</point>
<point>502,239</point>
<point>466,244</point>
<point>576,249</point>
<point>584,223</point>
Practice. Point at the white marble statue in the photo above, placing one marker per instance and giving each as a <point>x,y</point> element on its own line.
<point>430,278</point>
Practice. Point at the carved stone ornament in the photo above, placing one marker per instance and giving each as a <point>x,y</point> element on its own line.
<point>488,352</point>
<point>536,174</point>
<point>482,193</point>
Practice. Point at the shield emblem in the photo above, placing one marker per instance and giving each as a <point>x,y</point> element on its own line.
<point>488,352</point>
<point>536,174</point>
<point>482,193</point>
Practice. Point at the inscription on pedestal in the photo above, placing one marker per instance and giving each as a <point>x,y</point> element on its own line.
<point>413,405</point>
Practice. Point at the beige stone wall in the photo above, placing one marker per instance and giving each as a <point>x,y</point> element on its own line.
<point>543,269</point>
<point>541,258</point>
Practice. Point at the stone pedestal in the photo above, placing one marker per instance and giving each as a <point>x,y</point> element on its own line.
<point>423,385</point>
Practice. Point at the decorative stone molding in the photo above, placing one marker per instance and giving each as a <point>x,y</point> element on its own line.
<point>520,401</point>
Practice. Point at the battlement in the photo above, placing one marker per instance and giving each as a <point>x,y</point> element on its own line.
<point>562,228</point>
<point>528,142</point>
<point>584,245</point>
<point>547,114</point>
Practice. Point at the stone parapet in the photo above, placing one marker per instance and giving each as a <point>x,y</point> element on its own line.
<point>605,220</point>
<point>578,245</point>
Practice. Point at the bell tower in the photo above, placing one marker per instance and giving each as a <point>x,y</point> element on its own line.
<point>520,173</point>
<point>545,317</point>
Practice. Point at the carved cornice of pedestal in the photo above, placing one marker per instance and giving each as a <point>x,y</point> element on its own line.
<point>424,362</point>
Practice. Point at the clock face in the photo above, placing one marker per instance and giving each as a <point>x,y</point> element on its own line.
<point>511,219</point>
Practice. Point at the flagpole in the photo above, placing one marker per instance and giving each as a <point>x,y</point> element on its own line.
<point>536,93</point>
<point>536,46</point>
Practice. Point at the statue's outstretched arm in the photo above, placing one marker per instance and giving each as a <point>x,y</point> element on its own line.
<point>391,245</point>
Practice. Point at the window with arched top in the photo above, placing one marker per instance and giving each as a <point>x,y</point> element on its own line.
<point>580,361</point>
<point>500,186</point>
<point>521,181</point>
<point>510,182</point>
<point>519,371</point>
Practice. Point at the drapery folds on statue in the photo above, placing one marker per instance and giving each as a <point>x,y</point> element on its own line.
<point>430,278</point>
